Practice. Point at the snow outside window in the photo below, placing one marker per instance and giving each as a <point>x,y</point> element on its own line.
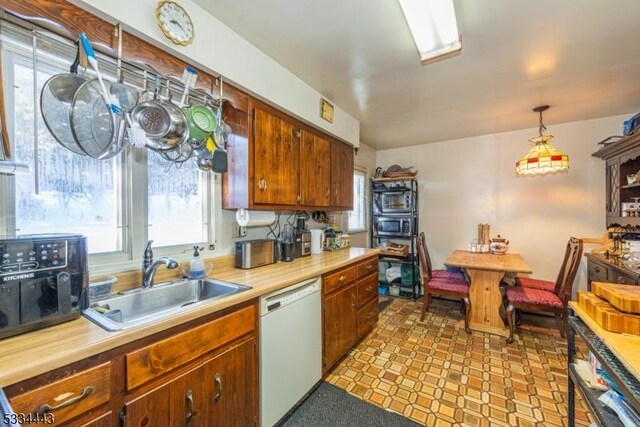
<point>358,216</point>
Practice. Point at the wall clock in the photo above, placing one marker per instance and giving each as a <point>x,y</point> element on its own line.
<point>175,22</point>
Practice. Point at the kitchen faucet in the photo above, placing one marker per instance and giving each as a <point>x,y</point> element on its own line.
<point>149,266</point>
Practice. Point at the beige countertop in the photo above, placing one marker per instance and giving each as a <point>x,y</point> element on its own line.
<point>27,355</point>
<point>624,346</point>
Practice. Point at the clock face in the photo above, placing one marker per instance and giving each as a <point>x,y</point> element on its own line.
<point>174,22</point>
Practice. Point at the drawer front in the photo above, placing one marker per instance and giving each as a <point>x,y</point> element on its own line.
<point>367,289</point>
<point>367,317</point>
<point>597,272</point>
<point>336,280</point>
<point>164,356</point>
<point>622,279</point>
<point>367,267</point>
<point>69,397</point>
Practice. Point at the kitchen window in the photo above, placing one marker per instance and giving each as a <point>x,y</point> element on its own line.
<point>358,216</point>
<point>119,203</point>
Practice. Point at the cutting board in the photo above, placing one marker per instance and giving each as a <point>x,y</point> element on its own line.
<point>623,297</point>
<point>607,316</point>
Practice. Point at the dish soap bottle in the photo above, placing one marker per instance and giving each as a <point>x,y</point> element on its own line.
<point>196,265</point>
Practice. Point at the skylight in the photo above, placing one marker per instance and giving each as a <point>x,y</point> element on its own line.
<point>434,28</point>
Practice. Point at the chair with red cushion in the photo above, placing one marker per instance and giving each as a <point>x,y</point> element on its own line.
<point>536,295</point>
<point>456,287</point>
<point>438,274</point>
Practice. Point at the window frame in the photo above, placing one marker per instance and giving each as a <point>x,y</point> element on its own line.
<point>360,172</point>
<point>131,185</point>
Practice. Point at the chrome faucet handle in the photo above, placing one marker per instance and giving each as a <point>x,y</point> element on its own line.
<point>148,255</point>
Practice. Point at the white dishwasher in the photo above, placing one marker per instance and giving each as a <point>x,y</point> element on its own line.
<point>290,348</point>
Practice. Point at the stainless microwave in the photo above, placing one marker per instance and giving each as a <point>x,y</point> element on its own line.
<point>396,202</point>
<point>394,226</point>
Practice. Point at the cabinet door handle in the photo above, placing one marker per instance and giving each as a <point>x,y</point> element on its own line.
<point>190,411</point>
<point>218,394</point>
<point>43,409</point>
<point>341,278</point>
<point>368,288</point>
<point>353,296</point>
<point>597,269</point>
<point>620,279</point>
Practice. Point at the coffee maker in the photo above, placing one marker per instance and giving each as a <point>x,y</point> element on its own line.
<point>302,240</point>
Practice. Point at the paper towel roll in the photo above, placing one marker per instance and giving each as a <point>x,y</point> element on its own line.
<point>247,218</point>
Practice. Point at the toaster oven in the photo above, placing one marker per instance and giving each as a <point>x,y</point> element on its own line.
<point>397,201</point>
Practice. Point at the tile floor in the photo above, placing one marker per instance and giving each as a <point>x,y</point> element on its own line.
<point>437,375</point>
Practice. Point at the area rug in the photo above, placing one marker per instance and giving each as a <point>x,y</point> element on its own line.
<point>331,406</point>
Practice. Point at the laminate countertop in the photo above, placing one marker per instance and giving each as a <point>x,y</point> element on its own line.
<point>34,353</point>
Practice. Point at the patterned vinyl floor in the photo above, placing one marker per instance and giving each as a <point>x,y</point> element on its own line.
<point>437,375</point>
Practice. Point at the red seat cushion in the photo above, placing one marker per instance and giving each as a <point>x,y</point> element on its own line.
<point>543,285</point>
<point>448,275</point>
<point>449,286</point>
<point>533,296</point>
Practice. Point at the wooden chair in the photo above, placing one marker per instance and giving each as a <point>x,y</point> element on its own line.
<point>438,274</point>
<point>453,287</point>
<point>538,295</point>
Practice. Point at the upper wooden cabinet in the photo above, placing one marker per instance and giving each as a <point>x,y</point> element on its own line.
<point>275,159</point>
<point>315,170</point>
<point>276,162</point>
<point>622,159</point>
<point>341,175</point>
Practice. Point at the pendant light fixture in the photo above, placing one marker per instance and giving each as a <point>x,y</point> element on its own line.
<point>542,158</point>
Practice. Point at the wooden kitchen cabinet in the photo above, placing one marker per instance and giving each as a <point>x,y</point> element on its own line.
<point>169,379</point>
<point>231,386</point>
<point>350,308</point>
<point>180,402</point>
<point>622,158</point>
<point>610,270</point>
<point>341,175</point>
<point>315,170</point>
<point>105,420</point>
<point>69,397</point>
<point>279,163</point>
<point>275,158</point>
<point>340,327</point>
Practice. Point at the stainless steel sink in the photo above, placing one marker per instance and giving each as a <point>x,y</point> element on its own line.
<point>145,305</point>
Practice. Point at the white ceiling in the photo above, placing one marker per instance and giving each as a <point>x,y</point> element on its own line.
<point>582,57</point>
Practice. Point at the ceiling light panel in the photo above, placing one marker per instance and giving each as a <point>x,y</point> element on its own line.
<point>433,26</point>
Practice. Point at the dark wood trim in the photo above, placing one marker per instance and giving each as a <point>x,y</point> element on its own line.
<point>68,20</point>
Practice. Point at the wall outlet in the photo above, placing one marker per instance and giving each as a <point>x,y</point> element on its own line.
<point>237,231</point>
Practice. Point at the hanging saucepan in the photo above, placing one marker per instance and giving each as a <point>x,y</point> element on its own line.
<point>97,131</point>
<point>55,103</point>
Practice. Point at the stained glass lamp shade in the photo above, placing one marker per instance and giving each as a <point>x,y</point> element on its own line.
<point>542,158</point>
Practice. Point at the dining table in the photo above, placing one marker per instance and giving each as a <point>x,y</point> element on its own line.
<point>486,271</point>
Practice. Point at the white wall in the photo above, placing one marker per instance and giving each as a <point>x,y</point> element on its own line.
<point>472,180</point>
<point>218,50</point>
<point>366,158</point>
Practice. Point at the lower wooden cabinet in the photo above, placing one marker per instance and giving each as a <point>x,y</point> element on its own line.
<point>340,329</point>
<point>231,387</point>
<point>222,391</point>
<point>350,308</point>
<point>105,420</point>
<point>202,374</point>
